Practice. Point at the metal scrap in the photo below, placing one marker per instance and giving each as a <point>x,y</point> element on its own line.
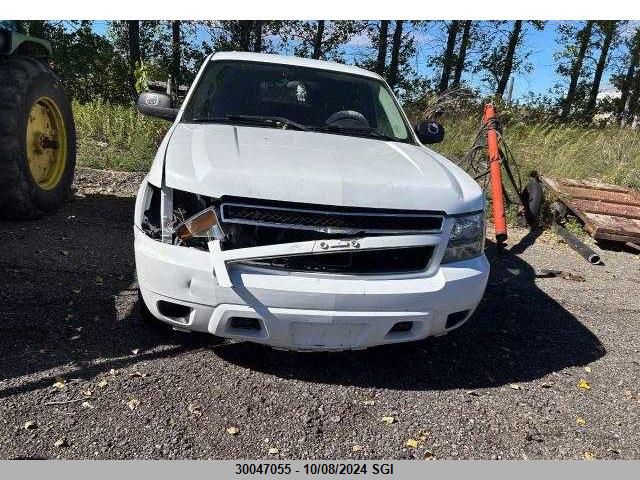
<point>609,212</point>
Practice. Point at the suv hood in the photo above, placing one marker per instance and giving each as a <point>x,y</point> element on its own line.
<point>317,168</point>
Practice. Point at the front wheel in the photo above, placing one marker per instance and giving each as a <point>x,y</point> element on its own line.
<point>37,140</point>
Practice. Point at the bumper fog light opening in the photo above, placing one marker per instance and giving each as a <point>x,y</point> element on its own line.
<point>174,311</point>
<point>456,318</point>
<point>245,323</point>
<point>401,327</point>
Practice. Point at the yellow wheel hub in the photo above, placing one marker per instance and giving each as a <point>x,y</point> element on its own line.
<point>46,143</point>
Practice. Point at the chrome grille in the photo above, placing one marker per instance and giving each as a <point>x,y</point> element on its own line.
<point>332,220</point>
<point>364,262</point>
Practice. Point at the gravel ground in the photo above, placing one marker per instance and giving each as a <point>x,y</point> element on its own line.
<point>82,377</point>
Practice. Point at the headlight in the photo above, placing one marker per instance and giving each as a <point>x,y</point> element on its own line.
<point>467,238</point>
<point>204,224</point>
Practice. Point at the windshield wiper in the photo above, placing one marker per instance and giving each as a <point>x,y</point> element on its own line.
<point>377,134</point>
<point>207,120</point>
<point>280,122</point>
<point>267,120</point>
<point>285,122</point>
<point>365,132</point>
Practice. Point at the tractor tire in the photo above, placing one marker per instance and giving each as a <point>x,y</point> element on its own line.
<point>37,140</point>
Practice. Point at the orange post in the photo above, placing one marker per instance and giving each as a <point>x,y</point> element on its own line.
<point>497,198</point>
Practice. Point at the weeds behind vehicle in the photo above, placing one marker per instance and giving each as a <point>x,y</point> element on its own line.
<point>118,137</point>
<point>608,154</point>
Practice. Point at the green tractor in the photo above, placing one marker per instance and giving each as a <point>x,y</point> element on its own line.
<point>37,132</point>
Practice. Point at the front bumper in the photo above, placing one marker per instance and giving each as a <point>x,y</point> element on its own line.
<point>304,311</point>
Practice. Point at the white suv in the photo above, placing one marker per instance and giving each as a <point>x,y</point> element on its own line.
<point>291,204</point>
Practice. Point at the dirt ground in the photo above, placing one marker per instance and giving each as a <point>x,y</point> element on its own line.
<point>82,377</point>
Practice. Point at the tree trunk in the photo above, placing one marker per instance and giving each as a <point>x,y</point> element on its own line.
<point>447,57</point>
<point>633,97</point>
<point>36,28</point>
<point>133,37</point>
<point>584,36</point>
<point>382,47</point>
<point>175,52</point>
<point>514,38</point>
<point>609,29</point>
<point>21,26</point>
<point>462,54</point>
<point>257,41</point>
<point>245,34</point>
<point>392,77</point>
<point>317,41</point>
<point>625,88</point>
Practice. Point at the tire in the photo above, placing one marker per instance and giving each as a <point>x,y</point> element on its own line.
<point>26,84</point>
<point>535,197</point>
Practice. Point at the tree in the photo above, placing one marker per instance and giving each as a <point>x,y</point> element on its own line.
<point>317,40</point>
<point>243,35</point>
<point>163,50</point>
<point>382,47</point>
<point>21,26</point>
<point>504,52</point>
<point>36,28</point>
<point>514,39</point>
<point>133,37</point>
<point>257,33</point>
<point>627,81</point>
<point>75,44</point>
<point>447,57</point>
<point>321,39</point>
<point>608,29</point>
<point>392,77</point>
<point>634,95</point>
<point>462,54</point>
<point>584,43</point>
<point>245,27</point>
<point>395,60</point>
<point>176,48</point>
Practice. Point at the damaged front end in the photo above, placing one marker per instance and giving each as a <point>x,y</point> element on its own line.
<point>292,237</point>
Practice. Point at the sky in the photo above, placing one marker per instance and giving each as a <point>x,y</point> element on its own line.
<point>542,45</point>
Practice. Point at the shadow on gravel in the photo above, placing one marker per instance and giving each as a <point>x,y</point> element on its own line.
<point>525,242</point>
<point>517,334</point>
<point>69,300</point>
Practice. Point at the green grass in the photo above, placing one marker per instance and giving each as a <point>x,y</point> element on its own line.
<point>116,137</point>
<point>607,154</point>
<point>120,138</point>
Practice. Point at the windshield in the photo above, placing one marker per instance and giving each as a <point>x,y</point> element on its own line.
<point>300,98</point>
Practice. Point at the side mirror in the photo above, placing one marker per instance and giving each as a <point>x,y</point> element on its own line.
<point>429,131</point>
<point>156,105</point>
